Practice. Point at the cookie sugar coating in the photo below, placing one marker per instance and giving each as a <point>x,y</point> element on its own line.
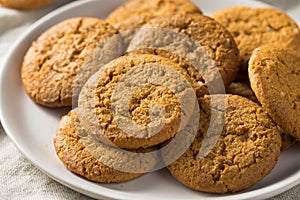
<point>51,63</point>
<point>189,38</point>
<point>135,13</point>
<point>274,74</point>
<point>254,27</point>
<point>246,151</point>
<point>84,157</point>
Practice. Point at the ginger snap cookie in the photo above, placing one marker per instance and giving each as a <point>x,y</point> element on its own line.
<point>194,39</point>
<point>25,4</point>
<point>137,101</point>
<point>52,61</point>
<point>245,151</point>
<point>244,89</point>
<point>96,161</point>
<point>136,13</point>
<point>274,74</point>
<point>254,27</point>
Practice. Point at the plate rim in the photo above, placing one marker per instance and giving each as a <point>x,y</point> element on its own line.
<point>261,193</point>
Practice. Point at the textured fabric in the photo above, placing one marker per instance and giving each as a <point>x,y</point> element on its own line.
<point>19,179</point>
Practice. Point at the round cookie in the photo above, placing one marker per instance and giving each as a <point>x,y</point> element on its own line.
<point>196,39</point>
<point>136,13</point>
<point>25,4</point>
<point>158,104</point>
<point>244,89</point>
<point>85,157</point>
<point>274,74</point>
<point>52,61</point>
<point>245,152</point>
<point>254,27</point>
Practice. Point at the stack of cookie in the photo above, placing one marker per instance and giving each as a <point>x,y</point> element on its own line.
<point>258,32</point>
<point>148,90</point>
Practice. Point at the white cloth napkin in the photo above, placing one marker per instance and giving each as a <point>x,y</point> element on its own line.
<point>19,179</point>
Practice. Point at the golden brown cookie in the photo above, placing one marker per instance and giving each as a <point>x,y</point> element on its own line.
<point>254,27</point>
<point>96,161</point>
<point>244,89</point>
<point>274,74</point>
<point>25,4</point>
<point>52,61</point>
<point>136,13</point>
<point>137,101</point>
<point>245,151</point>
<point>196,39</point>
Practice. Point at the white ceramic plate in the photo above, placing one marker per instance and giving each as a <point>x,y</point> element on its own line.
<point>32,127</point>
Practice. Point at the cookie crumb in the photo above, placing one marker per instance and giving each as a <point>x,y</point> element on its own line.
<point>256,154</point>
<point>228,41</point>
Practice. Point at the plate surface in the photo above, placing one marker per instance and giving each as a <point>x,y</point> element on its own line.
<point>32,127</point>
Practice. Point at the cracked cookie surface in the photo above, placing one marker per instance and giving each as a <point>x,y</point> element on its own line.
<point>254,27</point>
<point>244,89</point>
<point>86,157</point>
<point>245,152</point>
<point>274,74</point>
<point>52,61</point>
<point>136,13</point>
<point>137,101</point>
<point>195,39</point>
